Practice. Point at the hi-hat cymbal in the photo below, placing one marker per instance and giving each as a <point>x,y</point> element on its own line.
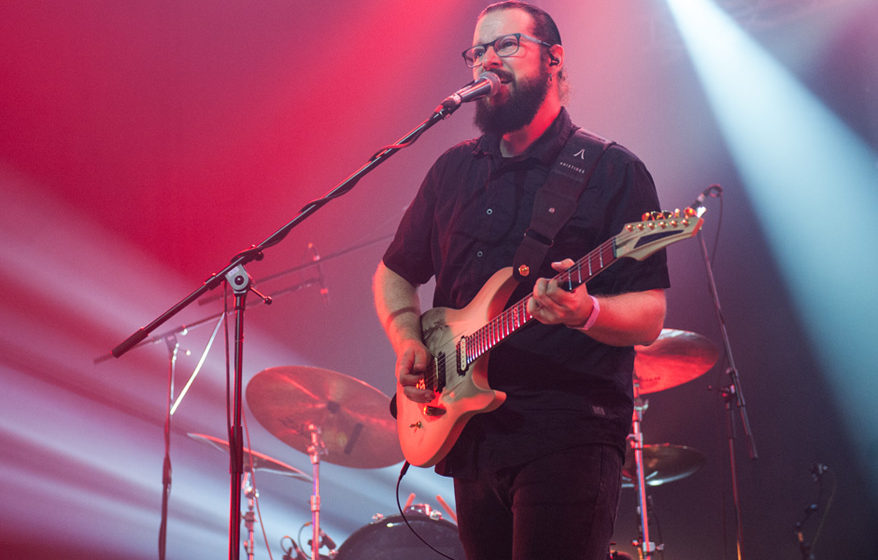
<point>673,359</point>
<point>260,460</point>
<point>662,463</point>
<point>352,416</point>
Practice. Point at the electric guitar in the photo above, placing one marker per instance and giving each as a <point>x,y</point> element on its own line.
<point>460,339</point>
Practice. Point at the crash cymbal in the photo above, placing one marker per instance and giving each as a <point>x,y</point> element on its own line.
<point>260,460</point>
<point>662,463</point>
<point>673,359</point>
<point>352,416</point>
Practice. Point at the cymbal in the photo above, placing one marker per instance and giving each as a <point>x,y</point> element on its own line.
<point>673,359</point>
<point>662,463</point>
<point>352,416</point>
<point>260,460</point>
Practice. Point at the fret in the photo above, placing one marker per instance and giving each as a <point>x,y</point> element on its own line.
<point>516,316</point>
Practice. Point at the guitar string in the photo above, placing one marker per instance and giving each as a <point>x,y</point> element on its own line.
<point>516,315</point>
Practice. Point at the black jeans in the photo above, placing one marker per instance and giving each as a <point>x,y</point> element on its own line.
<point>561,506</point>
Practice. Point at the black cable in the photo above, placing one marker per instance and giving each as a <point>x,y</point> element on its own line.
<point>405,468</point>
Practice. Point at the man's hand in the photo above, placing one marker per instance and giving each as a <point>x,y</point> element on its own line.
<point>396,302</point>
<point>624,319</point>
<point>554,305</point>
<point>411,363</point>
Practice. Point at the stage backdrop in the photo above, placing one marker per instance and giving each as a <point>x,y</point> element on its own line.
<point>144,144</point>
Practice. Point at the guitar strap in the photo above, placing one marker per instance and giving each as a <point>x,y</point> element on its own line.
<point>556,201</point>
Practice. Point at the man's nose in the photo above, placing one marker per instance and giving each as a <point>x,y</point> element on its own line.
<point>490,59</point>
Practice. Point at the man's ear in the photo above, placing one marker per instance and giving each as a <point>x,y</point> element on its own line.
<point>556,55</point>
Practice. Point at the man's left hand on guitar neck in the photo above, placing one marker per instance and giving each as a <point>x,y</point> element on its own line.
<point>624,319</point>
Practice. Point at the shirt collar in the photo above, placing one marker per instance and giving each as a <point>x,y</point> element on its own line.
<point>546,147</point>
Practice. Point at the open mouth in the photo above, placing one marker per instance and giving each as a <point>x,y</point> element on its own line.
<point>504,77</point>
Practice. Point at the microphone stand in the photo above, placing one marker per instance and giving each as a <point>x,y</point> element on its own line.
<point>732,394</point>
<point>237,277</point>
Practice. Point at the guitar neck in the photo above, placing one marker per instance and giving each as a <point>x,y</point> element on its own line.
<point>636,240</point>
<point>517,316</point>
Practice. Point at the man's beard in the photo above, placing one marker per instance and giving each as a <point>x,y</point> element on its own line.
<point>518,111</point>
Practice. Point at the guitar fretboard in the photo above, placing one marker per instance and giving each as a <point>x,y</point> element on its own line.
<point>516,316</point>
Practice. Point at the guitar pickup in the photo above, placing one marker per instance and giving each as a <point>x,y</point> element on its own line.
<point>433,410</point>
<point>461,356</point>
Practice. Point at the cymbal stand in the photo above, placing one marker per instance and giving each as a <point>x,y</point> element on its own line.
<point>249,517</point>
<point>645,547</point>
<point>315,450</point>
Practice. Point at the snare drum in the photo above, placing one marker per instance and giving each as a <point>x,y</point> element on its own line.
<point>390,538</point>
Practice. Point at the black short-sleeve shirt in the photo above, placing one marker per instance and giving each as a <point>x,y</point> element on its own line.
<point>465,223</point>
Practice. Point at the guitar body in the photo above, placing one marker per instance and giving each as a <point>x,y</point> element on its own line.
<point>427,432</point>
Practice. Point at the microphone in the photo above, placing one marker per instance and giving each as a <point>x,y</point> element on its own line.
<point>330,544</point>
<point>315,258</point>
<point>713,191</point>
<point>487,84</point>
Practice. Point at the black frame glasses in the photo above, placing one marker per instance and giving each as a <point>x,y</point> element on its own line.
<point>473,55</point>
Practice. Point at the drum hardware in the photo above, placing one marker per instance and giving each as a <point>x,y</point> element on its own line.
<point>663,463</point>
<point>253,460</point>
<point>328,416</point>
<point>294,548</point>
<point>389,538</point>
<point>645,547</point>
<point>249,517</point>
<point>676,357</point>
<point>618,555</point>
<point>315,451</point>
<point>352,415</point>
<point>295,552</point>
<point>259,461</point>
<point>451,513</point>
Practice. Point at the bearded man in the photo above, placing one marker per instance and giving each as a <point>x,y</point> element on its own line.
<point>539,476</point>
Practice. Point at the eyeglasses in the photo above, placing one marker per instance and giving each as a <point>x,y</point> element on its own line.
<point>505,45</point>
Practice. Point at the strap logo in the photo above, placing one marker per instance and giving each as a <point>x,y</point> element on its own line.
<point>571,167</point>
<point>580,154</point>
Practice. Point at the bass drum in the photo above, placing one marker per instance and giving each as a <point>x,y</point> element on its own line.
<point>391,539</point>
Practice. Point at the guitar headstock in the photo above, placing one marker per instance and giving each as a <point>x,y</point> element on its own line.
<point>657,230</point>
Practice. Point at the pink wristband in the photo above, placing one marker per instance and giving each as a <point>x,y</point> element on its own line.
<point>593,316</point>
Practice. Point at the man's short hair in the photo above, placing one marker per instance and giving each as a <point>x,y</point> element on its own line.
<point>544,26</point>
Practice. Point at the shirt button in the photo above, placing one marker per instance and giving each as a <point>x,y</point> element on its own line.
<point>480,253</point>
<point>489,211</point>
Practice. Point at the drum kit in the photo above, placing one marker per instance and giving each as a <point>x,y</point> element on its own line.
<point>333,417</point>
